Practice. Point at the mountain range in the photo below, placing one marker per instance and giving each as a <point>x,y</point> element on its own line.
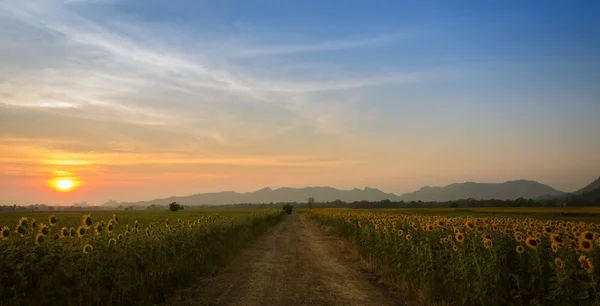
<point>509,190</point>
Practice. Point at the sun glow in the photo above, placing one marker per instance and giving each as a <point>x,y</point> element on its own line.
<point>63,184</point>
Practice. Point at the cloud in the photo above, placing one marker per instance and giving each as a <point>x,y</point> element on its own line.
<point>335,45</point>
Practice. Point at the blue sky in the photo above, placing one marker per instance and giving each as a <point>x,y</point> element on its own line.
<point>238,95</point>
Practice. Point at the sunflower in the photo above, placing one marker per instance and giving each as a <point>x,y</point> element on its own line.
<point>455,248</point>
<point>52,220</point>
<point>21,230</point>
<point>531,242</point>
<point>147,232</point>
<point>586,264</point>
<point>98,228</point>
<point>72,232</point>
<point>589,236</point>
<point>487,243</point>
<point>33,224</point>
<point>555,247</point>
<point>400,233</point>
<point>86,221</point>
<point>547,229</point>
<point>24,222</point>
<point>518,237</point>
<point>87,248</point>
<point>5,232</point>
<point>586,246</point>
<point>64,232</point>
<point>520,249</point>
<point>112,241</point>
<point>486,236</point>
<point>136,224</point>
<point>103,223</point>
<point>408,237</point>
<point>43,229</point>
<point>115,218</point>
<point>460,237</point>
<point>80,231</point>
<point>120,236</point>
<point>40,238</point>
<point>555,238</point>
<point>110,227</point>
<point>559,263</point>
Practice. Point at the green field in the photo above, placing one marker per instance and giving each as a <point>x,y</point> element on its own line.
<point>136,257</point>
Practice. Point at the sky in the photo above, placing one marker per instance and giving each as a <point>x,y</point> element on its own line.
<point>138,100</point>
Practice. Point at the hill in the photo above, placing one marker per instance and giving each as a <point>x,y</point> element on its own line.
<point>483,191</point>
<point>590,187</point>
<point>267,195</point>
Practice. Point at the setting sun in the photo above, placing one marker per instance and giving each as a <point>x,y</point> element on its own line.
<point>64,184</point>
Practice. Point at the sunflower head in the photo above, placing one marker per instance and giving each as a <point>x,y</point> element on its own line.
<point>43,229</point>
<point>80,231</point>
<point>531,242</point>
<point>87,248</point>
<point>5,233</point>
<point>454,248</point>
<point>52,220</point>
<point>555,238</point>
<point>64,232</point>
<point>112,241</point>
<point>520,249</point>
<point>98,228</point>
<point>586,264</point>
<point>33,224</point>
<point>72,232</point>
<point>559,263</point>
<point>115,218</point>
<point>40,238</point>
<point>24,222</point>
<point>586,246</point>
<point>120,236</point>
<point>589,236</point>
<point>487,243</point>
<point>21,230</point>
<point>408,237</point>
<point>554,247</point>
<point>86,221</point>
<point>110,227</point>
<point>460,237</point>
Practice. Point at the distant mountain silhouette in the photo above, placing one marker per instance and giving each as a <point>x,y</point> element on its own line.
<point>480,191</point>
<point>267,195</point>
<point>82,204</point>
<point>590,187</point>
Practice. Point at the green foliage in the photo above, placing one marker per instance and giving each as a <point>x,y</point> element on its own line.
<point>467,260</point>
<point>288,208</point>
<point>175,206</point>
<point>126,261</point>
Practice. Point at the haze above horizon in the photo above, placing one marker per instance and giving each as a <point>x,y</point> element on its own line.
<point>132,100</point>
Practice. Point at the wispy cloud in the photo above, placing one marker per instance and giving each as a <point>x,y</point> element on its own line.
<point>334,45</point>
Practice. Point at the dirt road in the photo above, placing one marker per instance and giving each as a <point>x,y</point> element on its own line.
<point>295,263</point>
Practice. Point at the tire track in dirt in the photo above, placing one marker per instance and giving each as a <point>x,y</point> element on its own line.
<point>294,263</point>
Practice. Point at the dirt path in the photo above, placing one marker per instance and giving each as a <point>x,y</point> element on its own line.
<point>295,263</point>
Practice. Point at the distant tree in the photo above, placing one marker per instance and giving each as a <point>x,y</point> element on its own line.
<point>453,205</point>
<point>175,206</point>
<point>310,200</point>
<point>288,208</point>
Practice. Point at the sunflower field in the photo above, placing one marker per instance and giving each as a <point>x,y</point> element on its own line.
<point>468,260</point>
<point>113,260</point>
